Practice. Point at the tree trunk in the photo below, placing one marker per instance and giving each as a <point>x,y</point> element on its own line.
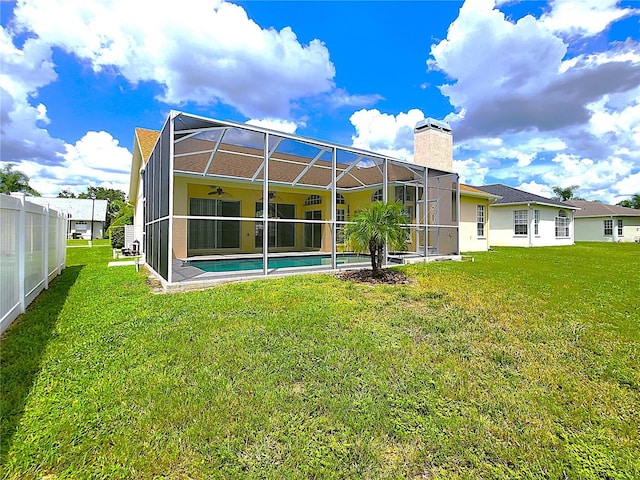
<point>373,251</point>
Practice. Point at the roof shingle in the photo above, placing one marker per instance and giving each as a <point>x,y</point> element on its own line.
<point>512,195</point>
<point>597,209</point>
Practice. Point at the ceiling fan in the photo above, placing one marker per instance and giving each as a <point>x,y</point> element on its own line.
<point>216,191</point>
<point>272,197</point>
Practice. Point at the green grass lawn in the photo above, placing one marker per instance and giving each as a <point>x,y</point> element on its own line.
<point>521,364</point>
<point>102,242</point>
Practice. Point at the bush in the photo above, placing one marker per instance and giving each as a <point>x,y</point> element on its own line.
<point>116,235</point>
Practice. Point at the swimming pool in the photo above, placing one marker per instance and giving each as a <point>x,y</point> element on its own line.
<point>239,264</point>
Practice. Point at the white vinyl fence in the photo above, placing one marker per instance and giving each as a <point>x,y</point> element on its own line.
<point>32,253</point>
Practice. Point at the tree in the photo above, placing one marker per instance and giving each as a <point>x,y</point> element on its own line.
<point>66,194</point>
<point>565,193</point>
<point>634,202</point>
<point>15,181</point>
<point>379,224</point>
<point>116,200</point>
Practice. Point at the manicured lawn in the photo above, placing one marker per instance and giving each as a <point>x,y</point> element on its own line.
<point>521,364</point>
<point>85,243</point>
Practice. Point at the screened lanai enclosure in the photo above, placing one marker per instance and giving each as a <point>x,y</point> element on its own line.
<point>224,199</point>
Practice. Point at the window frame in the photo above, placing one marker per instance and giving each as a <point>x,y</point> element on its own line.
<point>277,230</point>
<point>480,221</point>
<point>608,227</point>
<point>620,227</point>
<point>518,222</point>
<point>313,199</point>
<point>217,240</point>
<point>562,223</point>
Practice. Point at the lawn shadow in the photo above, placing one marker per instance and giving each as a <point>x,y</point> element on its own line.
<point>22,347</point>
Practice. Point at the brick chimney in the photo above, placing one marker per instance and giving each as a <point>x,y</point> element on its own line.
<point>433,144</point>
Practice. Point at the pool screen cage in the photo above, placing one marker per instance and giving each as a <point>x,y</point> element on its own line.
<point>217,189</point>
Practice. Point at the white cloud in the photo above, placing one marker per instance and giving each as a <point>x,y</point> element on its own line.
<point>521,55</point>
<point>627,186</point>
<point>545,95</point>
<point>94,160</point>
<point>592,177</point>
<point>23,135</point>
<point>203,52</point>
<point>584,18</point>
<point>536,188</point>
<point>385,133</point>
<point>274,124</point>
<point>471,171</point>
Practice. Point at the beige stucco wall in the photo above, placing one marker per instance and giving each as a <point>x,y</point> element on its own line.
<point>501,227</point>
<point>469,240</point>
<point>592,229</point>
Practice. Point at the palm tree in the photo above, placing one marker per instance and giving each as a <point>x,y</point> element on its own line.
<point>565,193</point>
<point>379,224</point>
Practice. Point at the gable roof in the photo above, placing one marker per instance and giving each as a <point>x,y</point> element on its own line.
<point>474,192</point>
<point>144,141</point>
<point>514,196</point>
<point>147,140</point>
<point>77,208</point>
<point>597,209</point>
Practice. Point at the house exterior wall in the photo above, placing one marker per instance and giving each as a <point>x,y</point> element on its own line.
<point>469,239</point>
<point>249,195</point>
<point>83,227</point>
<point>591,229</point>
<point>502,227</point>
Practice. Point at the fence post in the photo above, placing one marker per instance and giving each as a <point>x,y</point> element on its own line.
<point>22,237</point>
<point>45,243</point>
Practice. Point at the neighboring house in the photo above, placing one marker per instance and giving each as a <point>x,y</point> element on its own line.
<point>86,216</point>
<point>474,218</point>
<point>523,219</point>
<point>598,222</point>
<point>250,196</point>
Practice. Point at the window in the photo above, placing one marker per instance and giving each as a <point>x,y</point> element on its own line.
<point>377,196</point>
<point>480,220</point>
<point>313,200</point>
<point>213,234</point>
<point>281,234</point>
<point>520,222</point>
<point>313,231</point>
<point>536,222</point>
<point>404,194</point>
<point>340,199</point>
<point>562,225</point>
<point>620,225</point>
<point>340,217</point>
<point>608,228</point>
<point>454,206</point>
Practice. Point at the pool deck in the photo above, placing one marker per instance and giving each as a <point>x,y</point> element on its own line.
<point>188,277</point>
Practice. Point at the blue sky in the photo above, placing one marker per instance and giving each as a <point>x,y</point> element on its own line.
<point>537,93</point>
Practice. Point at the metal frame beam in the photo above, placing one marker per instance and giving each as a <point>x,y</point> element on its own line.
<point>267,157</point>
<point>308,167</point>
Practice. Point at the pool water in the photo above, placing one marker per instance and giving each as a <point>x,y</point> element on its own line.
<point>239,264</point>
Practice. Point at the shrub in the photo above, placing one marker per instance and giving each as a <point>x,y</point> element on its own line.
<point>116,235</point>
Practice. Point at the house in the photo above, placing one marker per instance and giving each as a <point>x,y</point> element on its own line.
<point>523,219</point>
<point>218,199</point>
<point>474,218</point>
<point>598,222</point>
<point>86,216</point>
